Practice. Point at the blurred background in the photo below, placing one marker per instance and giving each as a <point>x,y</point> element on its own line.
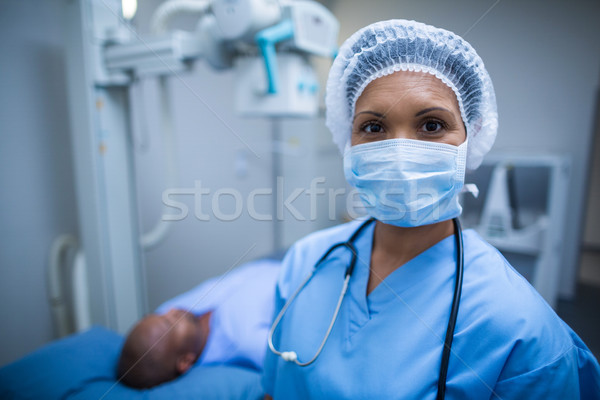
<point>544,60</point>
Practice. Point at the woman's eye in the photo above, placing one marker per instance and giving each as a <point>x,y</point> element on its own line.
<point>372,127</point>
<point>432,126</point>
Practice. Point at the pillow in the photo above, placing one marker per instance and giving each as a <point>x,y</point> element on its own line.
<point>82,366</point>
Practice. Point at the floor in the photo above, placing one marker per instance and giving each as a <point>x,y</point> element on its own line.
<point>583,315</point>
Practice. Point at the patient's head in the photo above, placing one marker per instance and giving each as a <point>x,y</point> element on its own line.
<point>162,347</point>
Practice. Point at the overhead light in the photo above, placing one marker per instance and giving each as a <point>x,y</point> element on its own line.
<point>129,7</point>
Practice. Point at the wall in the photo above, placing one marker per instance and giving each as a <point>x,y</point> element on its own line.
<point>544,59</point>
<point>37,197</point>
<point>208,152</point>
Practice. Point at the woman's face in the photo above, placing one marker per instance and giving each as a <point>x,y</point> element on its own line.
<point>408,105</point>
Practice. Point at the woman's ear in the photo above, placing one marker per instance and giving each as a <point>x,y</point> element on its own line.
<point>185,362</point>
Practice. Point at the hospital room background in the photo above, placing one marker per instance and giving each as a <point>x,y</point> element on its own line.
<point>543,57</point>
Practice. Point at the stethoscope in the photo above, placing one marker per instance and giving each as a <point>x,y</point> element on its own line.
<point>291,356</point>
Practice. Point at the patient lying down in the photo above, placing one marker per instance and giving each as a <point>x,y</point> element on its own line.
<point>162,347</point>
<point>224,320</point>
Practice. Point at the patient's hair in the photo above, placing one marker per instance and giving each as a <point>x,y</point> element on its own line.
<point>158,350</point>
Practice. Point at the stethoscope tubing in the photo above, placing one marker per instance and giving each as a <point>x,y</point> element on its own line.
<point>291,356</point>
<point>460,266</point>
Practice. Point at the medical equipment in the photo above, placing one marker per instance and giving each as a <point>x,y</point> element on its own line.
<point>291,356</point>
<point>399,45</point>
<point>59,251</point>
<point>105,56</point>
<point>267,42</point>
<point>522,213</point>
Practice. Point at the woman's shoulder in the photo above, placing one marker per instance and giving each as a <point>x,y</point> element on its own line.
<point>503,306</point>
<point>499,288</point>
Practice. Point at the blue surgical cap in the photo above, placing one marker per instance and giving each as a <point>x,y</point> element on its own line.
<point>385,47</point>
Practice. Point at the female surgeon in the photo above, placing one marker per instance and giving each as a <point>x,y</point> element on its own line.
<point>405,305</point>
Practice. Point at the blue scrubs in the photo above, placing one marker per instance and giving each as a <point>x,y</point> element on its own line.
<point>508,342</point>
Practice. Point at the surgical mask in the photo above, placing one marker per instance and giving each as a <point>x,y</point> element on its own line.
<point>407,182</point>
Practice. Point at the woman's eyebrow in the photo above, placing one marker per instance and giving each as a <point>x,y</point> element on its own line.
<point>425,111</point>
<point>381,116</point>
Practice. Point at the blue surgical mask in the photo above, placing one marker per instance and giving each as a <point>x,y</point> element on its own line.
<point>407,182</point>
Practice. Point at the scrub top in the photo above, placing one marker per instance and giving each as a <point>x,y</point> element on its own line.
<point>241,302</point>
<point>508,342</point>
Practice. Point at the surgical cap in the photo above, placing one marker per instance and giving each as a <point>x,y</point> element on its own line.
<point>385,47</point>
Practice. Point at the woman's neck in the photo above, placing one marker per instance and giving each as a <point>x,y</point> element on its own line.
<point>393,246</point>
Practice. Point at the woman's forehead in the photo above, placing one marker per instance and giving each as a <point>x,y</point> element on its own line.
<point>407,89</point>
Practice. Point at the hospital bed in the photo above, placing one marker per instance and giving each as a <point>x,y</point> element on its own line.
<point>83,366</point>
